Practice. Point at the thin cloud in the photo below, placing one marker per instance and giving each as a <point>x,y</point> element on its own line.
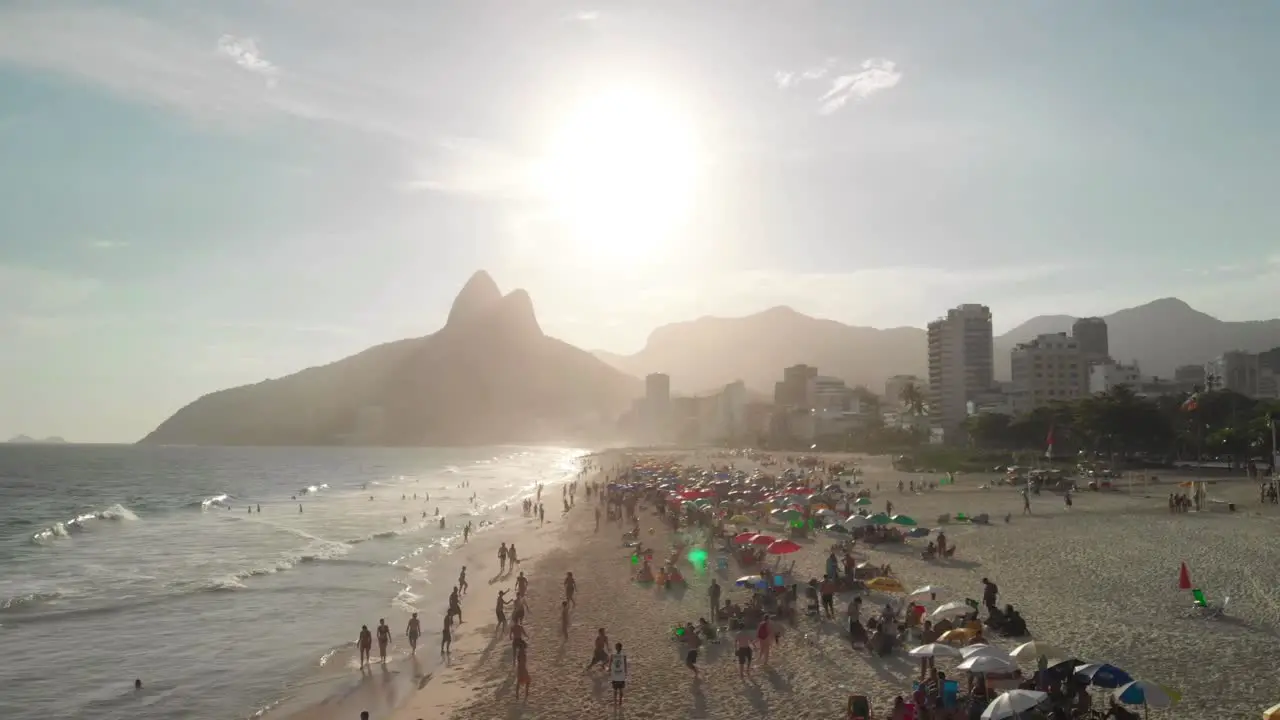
<point>873,75</point>
<point>244,53</point>
<point>108,244</point>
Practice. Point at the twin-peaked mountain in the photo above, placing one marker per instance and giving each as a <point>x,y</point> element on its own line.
<point>488,376</point>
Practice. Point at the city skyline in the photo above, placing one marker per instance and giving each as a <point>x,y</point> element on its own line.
<point>198,198</point>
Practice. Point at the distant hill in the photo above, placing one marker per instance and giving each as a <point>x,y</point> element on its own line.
<point>488,376</point>
<point>712,351</point>
<point>27,440</point>
<point>1160,335</point>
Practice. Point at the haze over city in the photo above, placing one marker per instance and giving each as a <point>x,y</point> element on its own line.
<point>193,198</point>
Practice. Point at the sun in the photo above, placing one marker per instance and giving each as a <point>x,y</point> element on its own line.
<point>620,174</point>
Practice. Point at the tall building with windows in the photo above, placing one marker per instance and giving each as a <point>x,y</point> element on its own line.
<point>961,368</point>
<point>1091,334</point>
<point>1235,370</point>
<point>795,389</point>
<point>1051,368</point>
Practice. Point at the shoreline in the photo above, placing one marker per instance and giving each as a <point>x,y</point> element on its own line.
<point>388,691</point>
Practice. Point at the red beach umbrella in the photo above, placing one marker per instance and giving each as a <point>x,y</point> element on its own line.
<point>782,547</point>
<point>763,540</point>
<point>744,538</point>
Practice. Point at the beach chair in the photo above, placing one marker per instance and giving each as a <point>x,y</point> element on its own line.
<point>859,708</point>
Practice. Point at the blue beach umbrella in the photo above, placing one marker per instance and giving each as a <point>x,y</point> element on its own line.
<point>1103,675</point>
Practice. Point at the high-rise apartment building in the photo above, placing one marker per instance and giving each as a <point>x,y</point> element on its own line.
<point>1091,334</point>
<point>795,388</point>
<point>1051,368</point>
<point>1236,371</point>
<point>960,366</point>
<point>657,405</point>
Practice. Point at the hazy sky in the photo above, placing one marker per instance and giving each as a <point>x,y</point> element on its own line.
<point>195,194</point>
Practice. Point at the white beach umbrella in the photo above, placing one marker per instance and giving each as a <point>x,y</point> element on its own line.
<point>1036,649</point>
<point>854,521</point>
<point>934,650</point>
<point>1013,703</point>
<point>951,609</point>
<point>1147,694</point>
<point>926,590</point>
<point>824,512</point>
<point>986,664</point>
<point>987,651</point>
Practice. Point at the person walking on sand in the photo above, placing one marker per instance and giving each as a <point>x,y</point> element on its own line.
<point>522,585</point>
<point>502,559</point>
<point>500,610</point>
<point>742,641</point>
<point>691,643</point>
<point>518,642</point>
<point>600,652</point>
<point>413,631</point>
<point>570,587</point>
<point>446,637</point>
<point>618,672</point>
<point>713,593</point>
<point>462,581</point>
<point>522,674</point>
<point>365,643</point>
<point>384,638</point>
<point>512,557</point>
<point>1026,502</point>
<point>764,638</point>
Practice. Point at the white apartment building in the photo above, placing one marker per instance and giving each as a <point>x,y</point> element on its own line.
<point>1106,376</point>
<point>1048,369</point>
<point>828,393</point>
<point>960,366</point>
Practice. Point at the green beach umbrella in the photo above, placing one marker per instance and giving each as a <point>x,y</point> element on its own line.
<point>903,520</point>
<point>863,501</point>
<point>880,519</point>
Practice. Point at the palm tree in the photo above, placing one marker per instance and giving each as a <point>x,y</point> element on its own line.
<point>912,399</point>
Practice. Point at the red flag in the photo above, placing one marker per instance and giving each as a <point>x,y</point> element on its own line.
<point>1048,441</point>
<point>1184,578</point>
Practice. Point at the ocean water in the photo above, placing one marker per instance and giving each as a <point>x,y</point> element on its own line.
<point>121,562</point>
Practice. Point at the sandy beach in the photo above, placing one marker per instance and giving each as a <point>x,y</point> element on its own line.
<point>1098,580</point>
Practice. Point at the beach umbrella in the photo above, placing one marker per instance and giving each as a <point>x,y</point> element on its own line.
<point>951,609</point>
<point>985,650</point>
<point>880,519</point>
<point>787,514</point>
<point>1147,694</point>
<point>856,521</point>
<point>1103,675</point>
<point>906,520</point>
<point>763,540</point>
<point>862,501</point>
<point>837,528</point>
<point>934,650</point>
<point>1035,649</point>
<point>750,581</point>
<point>782,547</point>
<point>744,538</point>
<point>926,590</point>
<point>885,584</point>
<point>826,512</point>
<point>958,635</point>
<point>1013,703</point>
<point>983,664</point>
<point>740,520</point>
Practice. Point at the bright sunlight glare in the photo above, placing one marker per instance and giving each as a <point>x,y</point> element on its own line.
<point>621,173</point>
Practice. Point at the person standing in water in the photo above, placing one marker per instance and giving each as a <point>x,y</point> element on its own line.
<point>384,637</point>
<point>502,559</point>
<point>413,631</point>
<point>462,581</point>
<point>446,636</point>
<point>365,643</point>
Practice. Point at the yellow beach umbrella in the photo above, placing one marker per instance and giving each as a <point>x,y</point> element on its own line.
<point>957,636</point>
<point>885,584</point>
<point>740,520</point>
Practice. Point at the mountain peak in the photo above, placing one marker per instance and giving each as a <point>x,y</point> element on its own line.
<point>476,299</point>
<point>517,315</point>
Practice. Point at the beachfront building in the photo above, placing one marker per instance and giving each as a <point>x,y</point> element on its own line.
<point>961,353</point>
<point>656,411</point>
<point>1106,376</point>
<point>828,393</point>
<point>1091,334</point>
<point>894,385</point>
<point>1050,368</point>
<point>793,390</point>
<point>1235,370</point>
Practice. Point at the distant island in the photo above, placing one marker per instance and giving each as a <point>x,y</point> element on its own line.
<point>28,440</point>
<point>489,376</point>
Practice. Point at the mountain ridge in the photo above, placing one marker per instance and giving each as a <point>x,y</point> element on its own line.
<point>488,376</point>
<point>711,351</point>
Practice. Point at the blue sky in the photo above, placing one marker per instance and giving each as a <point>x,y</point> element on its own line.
<point>195,195</point>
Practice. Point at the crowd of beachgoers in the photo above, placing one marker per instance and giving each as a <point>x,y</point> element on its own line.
<point>728,583</point>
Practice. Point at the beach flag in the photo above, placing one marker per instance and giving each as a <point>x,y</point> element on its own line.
<point>1192,402</point>
<point>1184,578</point>
<point>1048,441</point>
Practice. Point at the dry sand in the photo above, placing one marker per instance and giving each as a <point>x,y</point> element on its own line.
<point>1098,580</point>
